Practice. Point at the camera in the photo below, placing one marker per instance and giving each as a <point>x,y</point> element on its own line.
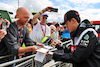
<point>3,24</point>
<point>54,9</point>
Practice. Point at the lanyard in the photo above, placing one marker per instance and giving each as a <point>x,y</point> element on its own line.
<point>43,30</point>
<point>20,33</point>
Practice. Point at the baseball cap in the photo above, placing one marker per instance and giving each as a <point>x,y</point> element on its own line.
<point>70,14</point>
<point>33,13</point>
<point>46,40</point>
<point>44,14</point>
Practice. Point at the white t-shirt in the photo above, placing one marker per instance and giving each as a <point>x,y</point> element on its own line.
<point>56,36</point>
<point>37,33</point>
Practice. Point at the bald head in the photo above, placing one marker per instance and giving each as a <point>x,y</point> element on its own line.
<point>23,15</point>
<point>22,10</point>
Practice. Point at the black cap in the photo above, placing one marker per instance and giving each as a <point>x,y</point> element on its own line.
<point>70,14</point>
<point>57,25</point>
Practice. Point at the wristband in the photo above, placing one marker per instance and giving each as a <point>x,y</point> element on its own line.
<point>44,10</point>
<point>41,12</point>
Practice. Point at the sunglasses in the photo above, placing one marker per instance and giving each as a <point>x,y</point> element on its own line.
<point>52,29</point>
<point>44,17</point>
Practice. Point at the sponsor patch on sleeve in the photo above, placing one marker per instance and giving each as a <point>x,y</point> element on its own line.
<point>86,37</point>
<point>85,41</point>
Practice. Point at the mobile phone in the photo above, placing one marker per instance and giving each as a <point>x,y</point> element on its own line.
<point>4,25</point>
<point>54,9</point>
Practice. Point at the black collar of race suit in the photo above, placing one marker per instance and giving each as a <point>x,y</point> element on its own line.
<point>75,33</point>
<point>81,27</point>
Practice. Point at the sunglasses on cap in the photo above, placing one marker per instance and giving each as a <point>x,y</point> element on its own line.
<point>44,17</point>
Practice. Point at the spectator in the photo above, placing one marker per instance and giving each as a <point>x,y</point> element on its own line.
<point>30,22</point>
<point>54,23</point>
<point>17,34</point>
<point>40,29</point>
<point>56,37</point>
<point>53,28</point>
<point>84,50</point>
<point>3,31</point>
<point>29,27</point>
<point>57,32</point>
<point>66,33</point>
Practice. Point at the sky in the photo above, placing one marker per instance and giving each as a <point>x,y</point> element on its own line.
<point>88,9</point>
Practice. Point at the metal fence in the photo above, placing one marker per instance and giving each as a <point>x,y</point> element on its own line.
<point>29,61</point>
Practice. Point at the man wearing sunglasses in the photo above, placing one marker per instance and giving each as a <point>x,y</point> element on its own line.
<point>40,28</point>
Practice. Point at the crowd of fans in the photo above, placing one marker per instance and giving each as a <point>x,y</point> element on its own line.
<point>25,36</point>
<point>20,40</point>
